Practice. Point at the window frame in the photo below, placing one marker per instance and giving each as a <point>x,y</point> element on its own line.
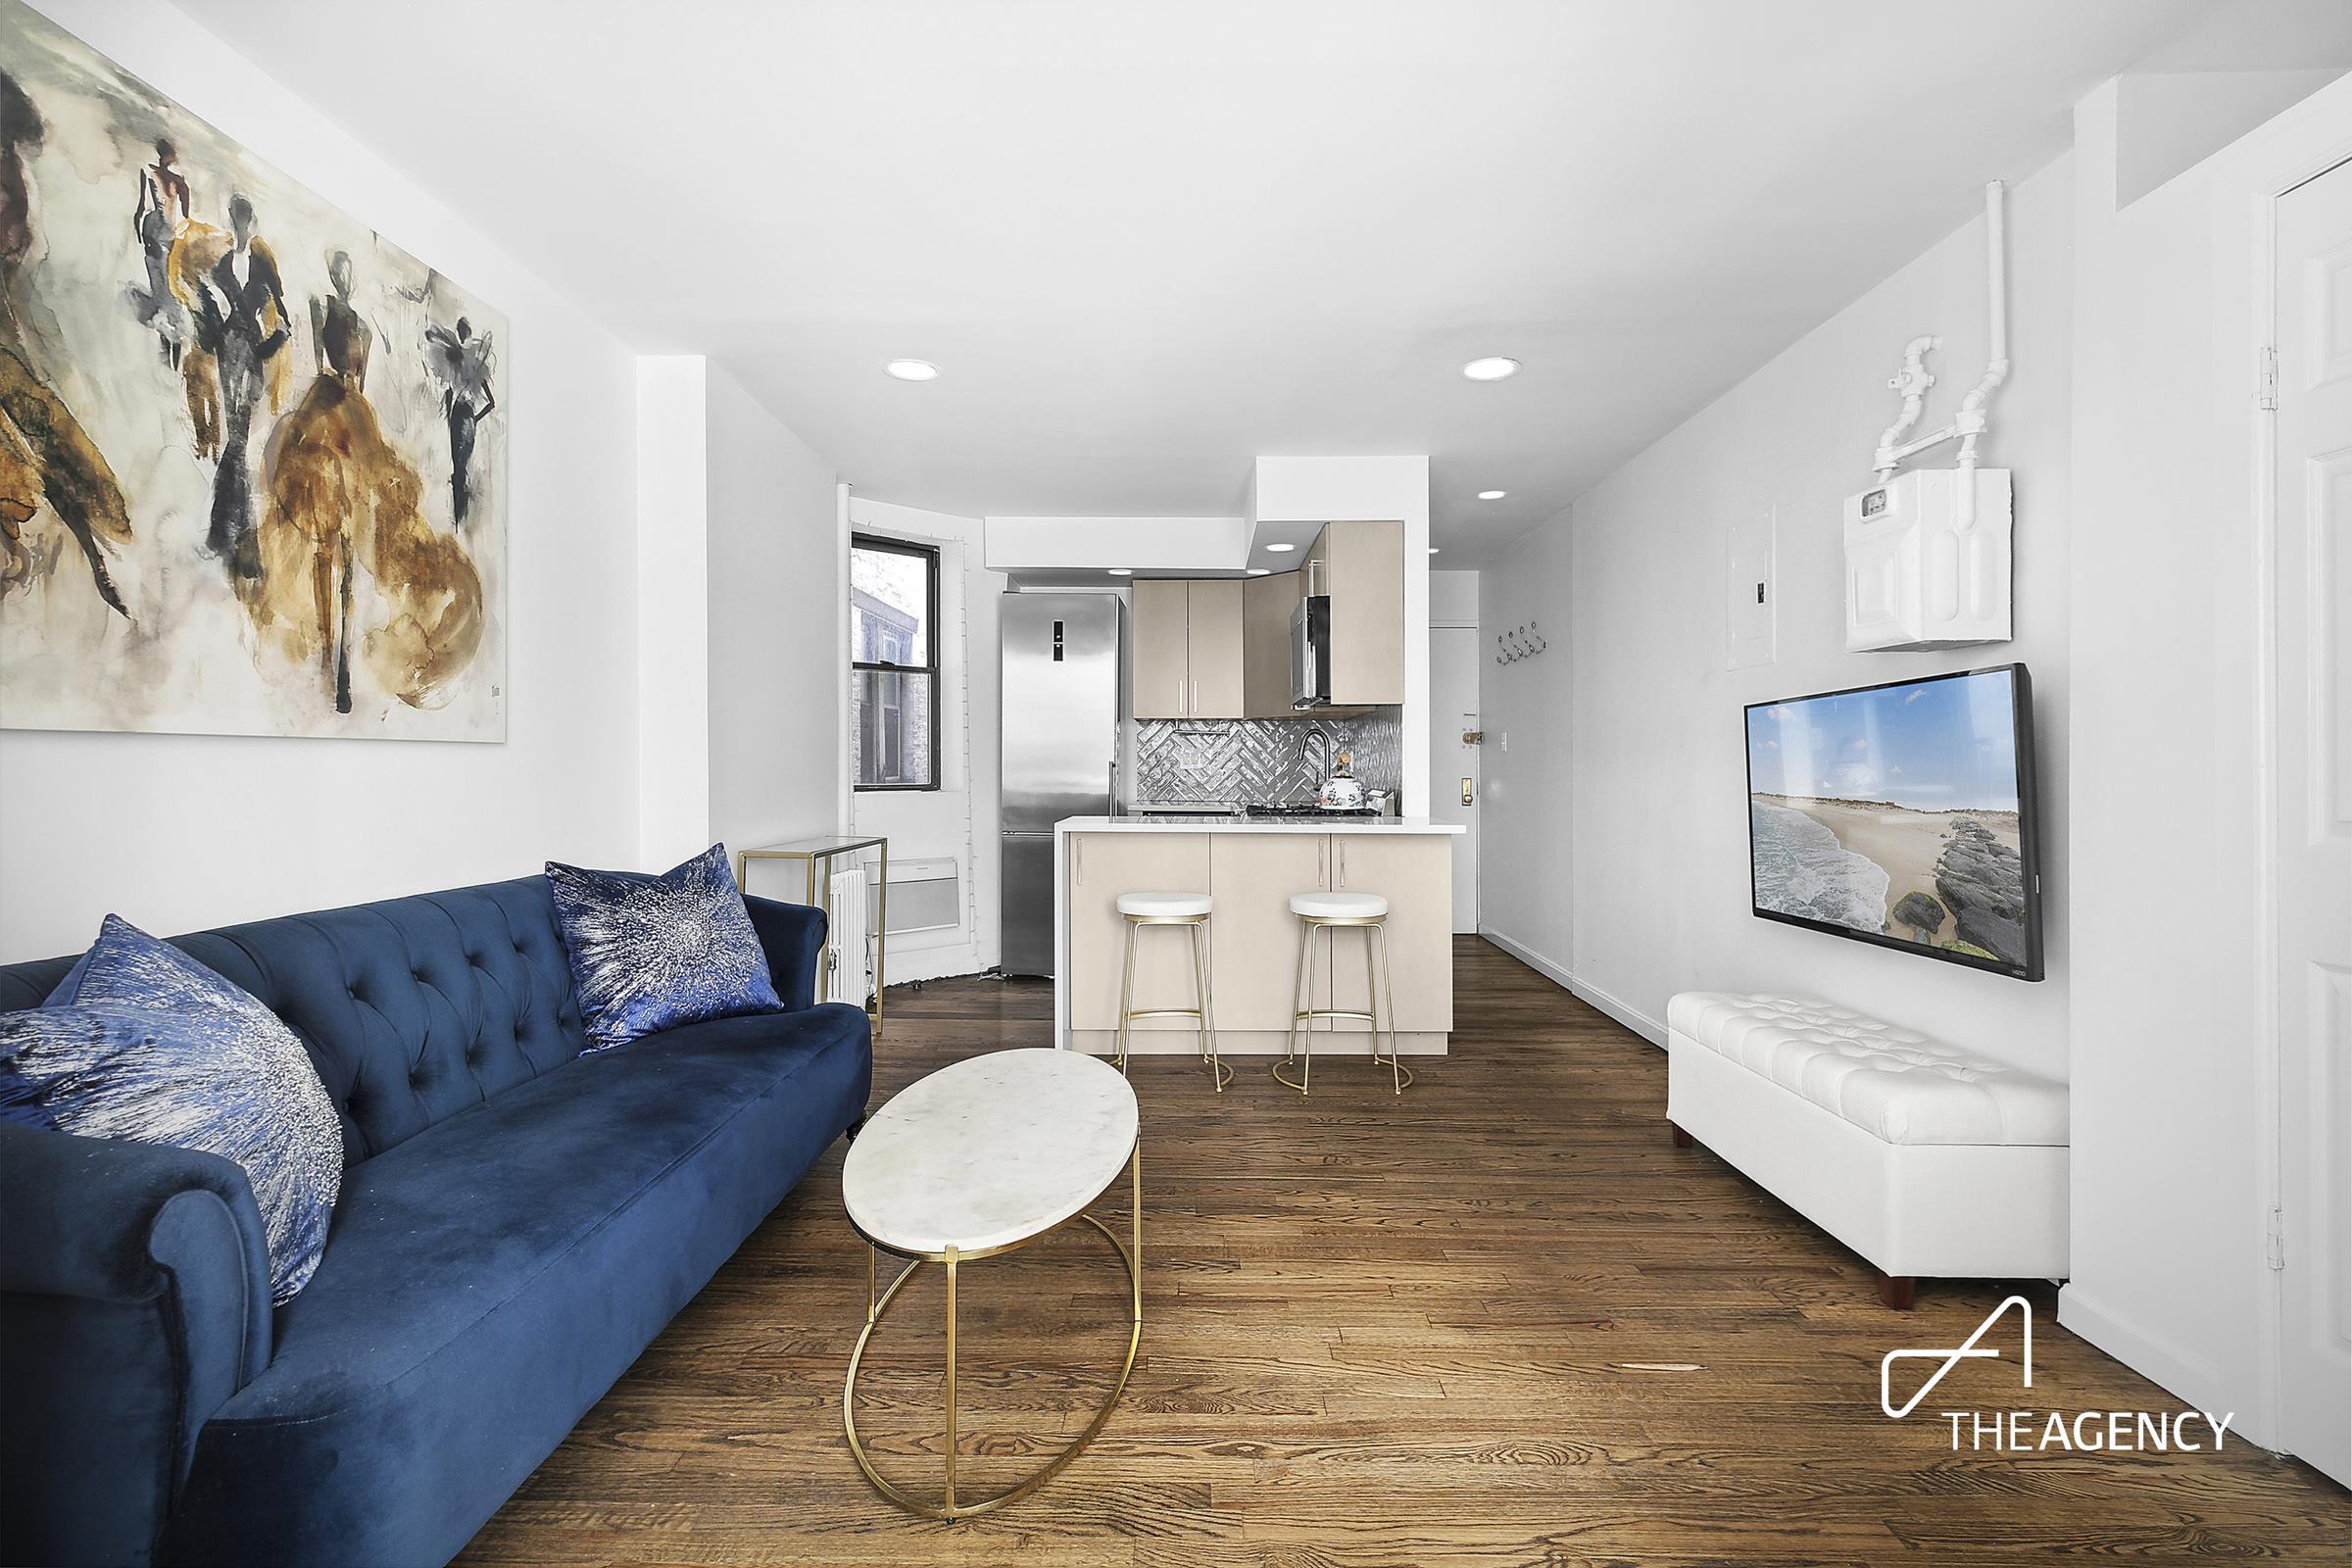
<point>929,555</point>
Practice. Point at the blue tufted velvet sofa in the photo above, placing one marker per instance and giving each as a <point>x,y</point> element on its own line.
<point>516,1223</point>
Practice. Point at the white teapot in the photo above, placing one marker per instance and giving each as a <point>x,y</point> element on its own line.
<point>1343,791</point>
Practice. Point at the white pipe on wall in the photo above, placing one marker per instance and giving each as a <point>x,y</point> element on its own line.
<point>1971,420</point>
<point>1913,380</point>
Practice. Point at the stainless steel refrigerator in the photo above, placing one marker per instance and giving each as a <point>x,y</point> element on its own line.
<point>1061,686</point>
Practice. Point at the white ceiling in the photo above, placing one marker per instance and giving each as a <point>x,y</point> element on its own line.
<point>1146,242</point>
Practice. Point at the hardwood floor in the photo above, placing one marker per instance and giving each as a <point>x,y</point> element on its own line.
<point>1499,1321</point>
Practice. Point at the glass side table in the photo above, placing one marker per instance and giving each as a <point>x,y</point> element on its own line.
<point>825,849</point>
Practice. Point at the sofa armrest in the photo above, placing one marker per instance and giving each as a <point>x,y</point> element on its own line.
<point>135,1300</point>
<point>794,937</point>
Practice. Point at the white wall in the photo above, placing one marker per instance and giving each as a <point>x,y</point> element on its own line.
<point>959,820</point>
<point>1525,767</point>
<point>2174,1113</point>
<point>1137,544</point>
<point>775,625</point>
<point>1453,598</point>
<point>673,610</point>
<point>1632,715</point>
<point>2167,123</point>
<point>179,832</point>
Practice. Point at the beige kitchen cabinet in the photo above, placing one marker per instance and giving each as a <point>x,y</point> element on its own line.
<point>1214,646</point>
<point>1416,874</point>
<point>1188,655</point>
<point>1161,674</point>
<point>1360,566</point>
<point>1267,606</point>
<point>1100,867</point>
<point>1251,933</point>
<point>1255,938</point>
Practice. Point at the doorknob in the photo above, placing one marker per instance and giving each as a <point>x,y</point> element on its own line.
<point>1465,792</point>
<point>1471,737</point>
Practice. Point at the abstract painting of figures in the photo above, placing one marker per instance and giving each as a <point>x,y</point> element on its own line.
<point>252,455</point>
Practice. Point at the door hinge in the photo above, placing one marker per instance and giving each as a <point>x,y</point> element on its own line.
<point>2277,1237</point>
<point>2266,378</point>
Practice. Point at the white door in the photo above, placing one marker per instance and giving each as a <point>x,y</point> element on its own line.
<point>1453,760</point>
<point>2314,620</point>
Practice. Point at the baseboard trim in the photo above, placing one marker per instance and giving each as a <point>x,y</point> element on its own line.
<point>2177,1372</point>
<point>1625,1012</point>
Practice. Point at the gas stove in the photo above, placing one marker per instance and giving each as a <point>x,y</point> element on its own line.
<point>1307,811</point>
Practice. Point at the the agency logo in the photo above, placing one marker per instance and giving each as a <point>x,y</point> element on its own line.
<point>2012,1431</point>
<point>1968,1349</point>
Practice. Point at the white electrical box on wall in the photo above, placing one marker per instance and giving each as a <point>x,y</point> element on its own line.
<point>1923,567</point>
<point>1752,600</point>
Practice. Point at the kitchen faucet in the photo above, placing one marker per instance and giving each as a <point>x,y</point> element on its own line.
<point>1312,734</point>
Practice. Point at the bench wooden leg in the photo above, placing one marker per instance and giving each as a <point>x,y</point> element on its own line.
<point>1682,1138</point>
<point>1897,1290</point>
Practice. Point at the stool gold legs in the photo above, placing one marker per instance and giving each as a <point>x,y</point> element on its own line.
<point>1202,1015</point>
<point>1219,1074</point>
<point>1380,996</point>
<point>1131,1254</point>
<point>1399,1073</point>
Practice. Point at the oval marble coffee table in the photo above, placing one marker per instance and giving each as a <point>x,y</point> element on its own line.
<point>979,1159</point>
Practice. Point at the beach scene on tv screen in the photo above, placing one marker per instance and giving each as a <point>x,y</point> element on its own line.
<point>1893,812</point>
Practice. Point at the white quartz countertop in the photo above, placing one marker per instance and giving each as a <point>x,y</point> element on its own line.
<point>1253,825</point>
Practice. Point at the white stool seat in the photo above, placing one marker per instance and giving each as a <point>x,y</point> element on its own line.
<point>1339,906</point>
<point>1163,906</point>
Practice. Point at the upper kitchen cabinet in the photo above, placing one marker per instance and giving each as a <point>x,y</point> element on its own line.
<point>1214,616</point>
<point>1360,566</point>
<point>1187,648</point>
<point>1267,606</point>
<point>1163,670</point>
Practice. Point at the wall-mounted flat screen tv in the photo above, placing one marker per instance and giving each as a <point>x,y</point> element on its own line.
<point>1902,814</point>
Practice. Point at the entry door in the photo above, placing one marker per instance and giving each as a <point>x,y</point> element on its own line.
<point>1453,761</point>
<point>2314,721</point>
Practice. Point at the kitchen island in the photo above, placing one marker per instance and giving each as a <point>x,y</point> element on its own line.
<point>1251,868</point>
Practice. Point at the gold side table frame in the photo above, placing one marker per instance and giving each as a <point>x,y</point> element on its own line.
<point>1131,1254</point>
<point>828,849</point>
<point>1378,993</point>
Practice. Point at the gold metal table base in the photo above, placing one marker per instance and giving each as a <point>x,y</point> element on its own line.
<point>949,1508</point>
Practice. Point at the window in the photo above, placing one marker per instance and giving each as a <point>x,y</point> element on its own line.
<point>894,663</point>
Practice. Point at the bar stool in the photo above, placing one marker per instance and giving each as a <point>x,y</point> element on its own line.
<point>1324,912</point>
<point>1190,909</point>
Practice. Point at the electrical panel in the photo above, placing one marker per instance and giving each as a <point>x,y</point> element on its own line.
<point>1921,570</point>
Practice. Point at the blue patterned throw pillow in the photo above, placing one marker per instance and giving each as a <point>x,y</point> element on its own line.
<point>142,1043</point>
<point>651,952</point>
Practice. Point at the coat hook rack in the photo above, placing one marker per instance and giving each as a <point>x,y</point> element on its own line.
<point>1521,642</point>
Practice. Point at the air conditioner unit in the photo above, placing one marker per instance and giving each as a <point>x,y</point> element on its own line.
<point>925,895</point>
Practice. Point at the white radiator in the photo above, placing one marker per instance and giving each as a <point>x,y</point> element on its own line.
<point>847,964</point>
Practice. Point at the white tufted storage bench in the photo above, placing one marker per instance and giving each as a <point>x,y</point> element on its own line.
<point>1925,1158</point>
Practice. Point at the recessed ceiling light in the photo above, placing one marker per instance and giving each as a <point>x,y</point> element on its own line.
<point>925,370</point>
<point>1282,549</point>
<point>1492,495</point>
<point>1261,571</point>
<point>1495,368</point>
<point>1121,571</point>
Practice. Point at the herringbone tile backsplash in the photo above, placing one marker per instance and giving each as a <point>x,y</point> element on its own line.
<point>1260,762</point>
